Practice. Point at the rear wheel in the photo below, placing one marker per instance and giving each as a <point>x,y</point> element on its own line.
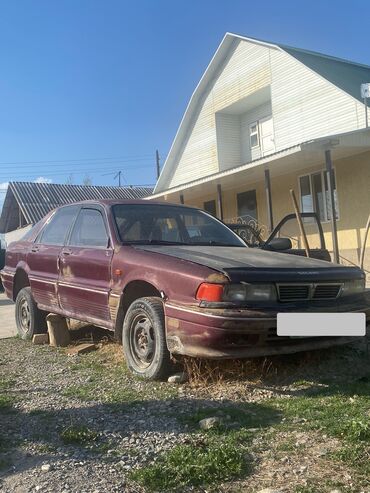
<point>144,339</point>
<point>29,319</point>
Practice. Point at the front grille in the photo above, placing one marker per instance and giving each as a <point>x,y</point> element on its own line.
<point>293,292</point>
<point>305,292</point>
<point>326,291</point>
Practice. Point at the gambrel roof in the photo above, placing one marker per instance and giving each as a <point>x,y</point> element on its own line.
<point>345,75</point>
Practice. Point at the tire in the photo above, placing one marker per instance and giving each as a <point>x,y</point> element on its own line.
<point>29,319</point>
<point>144,339</point>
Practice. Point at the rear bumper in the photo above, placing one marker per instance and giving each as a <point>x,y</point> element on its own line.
<point>243,333</point>
<point>7,279</point>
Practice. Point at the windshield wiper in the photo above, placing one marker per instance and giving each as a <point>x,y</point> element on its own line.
<point>214,243</point>
<point>152,242</point>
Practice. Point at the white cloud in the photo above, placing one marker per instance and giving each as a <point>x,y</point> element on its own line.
<point>42,179</point>
<point>4,186</point>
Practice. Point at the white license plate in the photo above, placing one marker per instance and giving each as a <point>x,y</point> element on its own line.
<point>321,324</point>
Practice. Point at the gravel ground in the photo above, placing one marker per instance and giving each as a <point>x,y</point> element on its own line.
<point>117,423</point>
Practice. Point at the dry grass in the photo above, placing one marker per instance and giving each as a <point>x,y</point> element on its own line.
<point>254,370</point>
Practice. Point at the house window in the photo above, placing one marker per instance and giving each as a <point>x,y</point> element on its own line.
<point>315,195</point>
<point>210,206</point>
<point>254,135</point>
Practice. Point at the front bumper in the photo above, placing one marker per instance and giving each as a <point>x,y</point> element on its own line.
<point>217,333</point>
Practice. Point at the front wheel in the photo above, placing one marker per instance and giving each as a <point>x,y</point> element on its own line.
<point>144,339</point>
<point>29,319</point>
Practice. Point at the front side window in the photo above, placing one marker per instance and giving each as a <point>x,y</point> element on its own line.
<point>56,231</point>
<point>315,195</point>
<point>89,230</point>
<point>161,224</point>
<point>254,136</point>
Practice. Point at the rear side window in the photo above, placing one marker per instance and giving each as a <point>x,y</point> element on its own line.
<point>56,231</point>
<point>89,230</point>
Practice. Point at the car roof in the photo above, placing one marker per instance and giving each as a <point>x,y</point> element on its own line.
<point>110,202</point>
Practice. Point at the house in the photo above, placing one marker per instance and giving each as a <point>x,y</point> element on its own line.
<point>267,118</point>
<point>26,203</point>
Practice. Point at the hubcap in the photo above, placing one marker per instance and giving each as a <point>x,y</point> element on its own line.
<point>24,315</point>
<point>142,341</point>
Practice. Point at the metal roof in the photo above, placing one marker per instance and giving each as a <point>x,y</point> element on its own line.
<point>344,74</point>
<point>35,200</point>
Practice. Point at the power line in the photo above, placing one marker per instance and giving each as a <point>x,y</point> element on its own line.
<point>15,173</point>
<point>80,159</point>
<point>60,165</point>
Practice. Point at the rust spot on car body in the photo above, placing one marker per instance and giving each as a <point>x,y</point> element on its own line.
<point>113,302</point>
<point>217,277</point>
<point>67,271</point>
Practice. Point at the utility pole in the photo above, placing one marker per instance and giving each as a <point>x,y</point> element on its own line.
<point>119,177</point>
<point>158,165</point>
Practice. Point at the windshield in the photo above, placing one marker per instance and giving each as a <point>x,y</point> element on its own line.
<point>174,225</point>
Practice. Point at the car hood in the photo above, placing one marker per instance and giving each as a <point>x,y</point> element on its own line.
<point>252,264</point>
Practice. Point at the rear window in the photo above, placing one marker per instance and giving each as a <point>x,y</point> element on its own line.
<point>56,231</point>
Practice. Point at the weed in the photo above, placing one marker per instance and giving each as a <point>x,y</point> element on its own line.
<point>77,435</point>
<point>5,402</point>
<point>190,465</point>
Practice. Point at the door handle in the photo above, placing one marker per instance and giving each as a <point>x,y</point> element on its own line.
<point>34,249</point>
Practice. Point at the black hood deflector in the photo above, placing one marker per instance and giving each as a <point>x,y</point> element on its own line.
<point>253,264</point>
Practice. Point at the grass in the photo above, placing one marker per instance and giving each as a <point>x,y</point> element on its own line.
<point>77,435</point>
<point>192,465</point>
<point>110,382</point>
<point>6,403</point>
<point>244,415</point>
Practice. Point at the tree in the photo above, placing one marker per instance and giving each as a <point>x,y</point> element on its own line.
<point>87,181</point>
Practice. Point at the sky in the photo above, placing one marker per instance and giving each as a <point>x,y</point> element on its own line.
<point>89,88</point>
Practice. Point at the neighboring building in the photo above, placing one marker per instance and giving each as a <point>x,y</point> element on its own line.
<point>266,118</point>
<point>26,203</point>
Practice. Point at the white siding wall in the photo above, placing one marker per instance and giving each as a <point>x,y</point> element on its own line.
<point>304,106</point>
<point>228,140</point>
<point>246,71</point>
<point>247,119</point>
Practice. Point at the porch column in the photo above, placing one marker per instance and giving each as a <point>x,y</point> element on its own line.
<point>270,219</point>
<point>330,179</point>
<point>182,201</point>
<point>219,202</point>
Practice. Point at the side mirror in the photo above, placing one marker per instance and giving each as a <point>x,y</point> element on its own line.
<point>279,244</point>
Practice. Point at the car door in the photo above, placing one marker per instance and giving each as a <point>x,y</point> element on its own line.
<point>288,228</point>
<point>85,268</point>
<point>43,256</point>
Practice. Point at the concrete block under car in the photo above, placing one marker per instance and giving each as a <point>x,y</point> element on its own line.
<point>40,339</point>
<point>58,331</point>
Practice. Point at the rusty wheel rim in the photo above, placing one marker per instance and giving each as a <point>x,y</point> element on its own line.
<point>142,341</point>
<point>24,316</point>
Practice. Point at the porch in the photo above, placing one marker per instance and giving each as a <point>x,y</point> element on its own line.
<point>259,191</point>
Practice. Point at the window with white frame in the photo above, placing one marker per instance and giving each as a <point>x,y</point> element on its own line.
<point>315,195</point>
<point>254,135</point>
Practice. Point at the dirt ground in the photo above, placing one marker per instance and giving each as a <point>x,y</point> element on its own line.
<point>84,424</point>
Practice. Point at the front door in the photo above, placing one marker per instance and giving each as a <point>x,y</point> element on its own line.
<point>247,206</point>
<point>85,265</point>
<point>267,135</point>
<point>43,257</point>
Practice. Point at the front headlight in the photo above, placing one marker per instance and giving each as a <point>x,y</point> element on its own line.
<point>353,287</point>
<point>249,292</point>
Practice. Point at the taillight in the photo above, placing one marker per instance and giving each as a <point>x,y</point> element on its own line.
<point>210,292</point>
